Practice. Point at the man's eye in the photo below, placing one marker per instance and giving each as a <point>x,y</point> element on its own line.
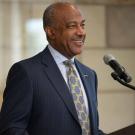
<point>83,25</point>
<point>70,26</point>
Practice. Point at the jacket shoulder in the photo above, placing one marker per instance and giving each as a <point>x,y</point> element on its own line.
<point>83,66</point>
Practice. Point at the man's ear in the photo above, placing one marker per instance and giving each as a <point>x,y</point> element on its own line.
<point>50,32</point>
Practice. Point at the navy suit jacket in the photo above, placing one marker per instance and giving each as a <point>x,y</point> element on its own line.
<point>37,101</point>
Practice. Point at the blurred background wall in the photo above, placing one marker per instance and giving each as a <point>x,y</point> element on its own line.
<point>110,27</point>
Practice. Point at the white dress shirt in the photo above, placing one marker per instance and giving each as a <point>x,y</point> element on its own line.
<point>59,59</point>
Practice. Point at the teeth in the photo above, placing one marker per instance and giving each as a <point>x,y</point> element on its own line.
<point>78,41</point>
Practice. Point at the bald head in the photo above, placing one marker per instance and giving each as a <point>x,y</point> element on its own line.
<point>51,12</point>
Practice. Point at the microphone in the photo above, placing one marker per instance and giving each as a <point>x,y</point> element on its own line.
<point>118,69</point>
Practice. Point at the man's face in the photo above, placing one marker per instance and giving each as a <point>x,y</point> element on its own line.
<point>69,33</point>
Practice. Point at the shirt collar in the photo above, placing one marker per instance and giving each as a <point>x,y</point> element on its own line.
<point>58,57</point>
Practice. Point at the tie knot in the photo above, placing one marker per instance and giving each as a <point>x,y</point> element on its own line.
<point>68,63</point>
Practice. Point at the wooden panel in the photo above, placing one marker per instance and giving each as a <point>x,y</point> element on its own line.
<point>130,130</point>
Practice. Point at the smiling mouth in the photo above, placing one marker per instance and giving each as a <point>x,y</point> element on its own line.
<point>78,42</point>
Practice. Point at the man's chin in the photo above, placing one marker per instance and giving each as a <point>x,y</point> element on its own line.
<point>78,52</point>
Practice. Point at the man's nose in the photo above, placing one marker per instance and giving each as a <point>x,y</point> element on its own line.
<point>80,31</point>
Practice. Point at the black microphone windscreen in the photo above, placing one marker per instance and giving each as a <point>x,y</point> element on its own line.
<point>107,58</point>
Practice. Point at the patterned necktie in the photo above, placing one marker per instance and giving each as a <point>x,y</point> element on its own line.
<point>76,92</point>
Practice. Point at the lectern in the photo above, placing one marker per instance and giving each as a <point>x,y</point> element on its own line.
<point>130,130</point>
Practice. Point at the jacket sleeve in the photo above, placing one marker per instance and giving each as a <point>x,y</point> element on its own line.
<point>17,102</point>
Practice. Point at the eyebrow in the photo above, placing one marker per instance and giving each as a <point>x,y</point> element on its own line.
<point>83,21</point>
<point>74,22</point>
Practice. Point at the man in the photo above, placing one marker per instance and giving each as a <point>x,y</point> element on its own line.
<point>41,92</point>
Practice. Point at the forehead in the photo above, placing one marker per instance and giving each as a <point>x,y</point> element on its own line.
<point>69,14</point>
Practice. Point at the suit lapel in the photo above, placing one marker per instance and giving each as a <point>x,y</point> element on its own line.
<point>85,79</point>
<point>55,77</point>
<point>88,86</point>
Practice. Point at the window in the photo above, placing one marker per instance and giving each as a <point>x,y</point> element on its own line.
<point>35,37</point>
